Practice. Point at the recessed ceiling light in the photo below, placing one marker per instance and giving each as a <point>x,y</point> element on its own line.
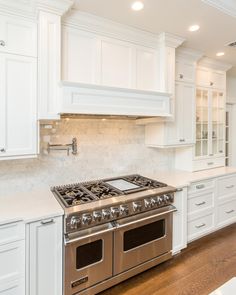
<point>220,54</point>
<point>194,28</point>
<point>137,5</point>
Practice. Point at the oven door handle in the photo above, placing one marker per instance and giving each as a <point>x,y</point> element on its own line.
<point>151,217</point>
<point>69,240</point>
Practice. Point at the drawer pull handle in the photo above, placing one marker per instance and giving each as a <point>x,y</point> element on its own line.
<point>199,204</point>
<point>210,163</point>
<point>44,222</point>
<point>2,150</point>
<point>228,212</point>
<point>2,43</point>
<point>230,186</point>
<point>200,186</point>
<point>201,225</point>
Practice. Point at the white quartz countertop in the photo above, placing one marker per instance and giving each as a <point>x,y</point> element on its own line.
<point>178,178</point>
<point>29,207</point>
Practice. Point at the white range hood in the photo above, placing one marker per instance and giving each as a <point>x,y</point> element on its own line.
<point>79,98</point>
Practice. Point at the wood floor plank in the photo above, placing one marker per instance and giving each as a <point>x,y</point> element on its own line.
<point>198,270</point>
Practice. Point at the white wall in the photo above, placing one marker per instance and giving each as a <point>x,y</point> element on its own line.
<point>106,149</point>
<point>231,89</point>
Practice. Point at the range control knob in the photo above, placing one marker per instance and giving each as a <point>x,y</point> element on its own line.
<point>87,219</point>
<point>153,202</point>
<point>97,216</point>
<point>124,209</point>
<point>115,212</point>
<point>159,201</point>
<point>166,199</point>
<point>147,203</point>
<point>171,196</point>
<point>106,214</point>
<point>137,206</point>
<point>75,222</point>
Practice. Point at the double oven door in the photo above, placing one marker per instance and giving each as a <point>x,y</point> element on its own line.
<point>105,251</point>
<point>138,240</point>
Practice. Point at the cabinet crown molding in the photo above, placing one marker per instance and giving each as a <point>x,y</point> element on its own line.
<point>214,64</point>
<point>170,40</point>
<point>98,25</point>
<point>54,6</point>
<point>226,6</point>
<point>188,53</point>
<point>29,8</point>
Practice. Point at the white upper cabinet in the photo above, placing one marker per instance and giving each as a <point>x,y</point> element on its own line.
<point>184,71</point>
<point>207,77</point>
<point>116,63</point>
<point>147,69</point>
<point>18,122</point>
<point>18,36</point>
<point>79,60</point>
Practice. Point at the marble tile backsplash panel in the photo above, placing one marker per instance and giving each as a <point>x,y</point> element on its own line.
<point>106,148</point>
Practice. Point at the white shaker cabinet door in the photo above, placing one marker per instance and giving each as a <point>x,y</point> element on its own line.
<point>18,36</point>
<point>80,56</point>
<point>146,69</point>
<point>116,64</point>
<point>180,221</point>
<point>45,260</point>
<point>18,94</point>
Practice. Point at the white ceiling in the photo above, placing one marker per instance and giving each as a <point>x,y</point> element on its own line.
<point>174,16</point>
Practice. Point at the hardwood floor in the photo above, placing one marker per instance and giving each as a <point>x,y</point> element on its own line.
<point>198,270</point>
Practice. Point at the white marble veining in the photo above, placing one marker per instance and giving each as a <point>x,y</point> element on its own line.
<point>106,148</point>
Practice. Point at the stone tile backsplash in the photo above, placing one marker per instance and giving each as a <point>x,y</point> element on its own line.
<point>106,148</point>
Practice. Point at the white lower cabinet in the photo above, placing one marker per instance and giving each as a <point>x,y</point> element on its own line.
<point>211,205</point>
<point>12,259</point>
<point>45,240</point>
<point>180,221</point>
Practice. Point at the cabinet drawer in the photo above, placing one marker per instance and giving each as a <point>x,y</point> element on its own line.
<point>12,262</point>
<point>227,212</point>
<point>201,186</point>
<point>198,203</point>
<point>200,226</point>
<point>226,186</point>
<point>208,163</point>
<point>11,232</point>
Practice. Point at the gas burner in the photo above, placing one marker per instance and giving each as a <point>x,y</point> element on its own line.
<point>101,190</point>
<point>144,181</point>
<point>73,195</point>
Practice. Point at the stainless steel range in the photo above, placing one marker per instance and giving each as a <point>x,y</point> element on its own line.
<point>114,229</point>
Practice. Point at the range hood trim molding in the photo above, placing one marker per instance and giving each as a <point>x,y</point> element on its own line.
<point>80,98</point>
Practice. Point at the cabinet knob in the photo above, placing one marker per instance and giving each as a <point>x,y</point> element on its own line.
<point>181,76</point>
<point>2,43</point>
<point>182,140</point>
<point>211,83</point>
<point>2,150</point>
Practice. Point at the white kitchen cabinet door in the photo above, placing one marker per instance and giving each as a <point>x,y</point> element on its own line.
<point>116,64</point>
<point>18,92</point>
<point>185,71</point>
<point>211,78</point>
<point>180,221</point>
<point>12,266</point>
<point>45,260</point>
<point>146,69</point>
<point>18,36</point>
<point>80,56</point>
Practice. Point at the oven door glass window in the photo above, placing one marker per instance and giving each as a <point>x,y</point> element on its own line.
<point>88,254</point>
<point>139,236</point>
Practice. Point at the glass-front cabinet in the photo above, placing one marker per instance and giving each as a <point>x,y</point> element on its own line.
<point>210,122</point>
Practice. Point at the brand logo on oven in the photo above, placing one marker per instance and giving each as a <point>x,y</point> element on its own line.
<point>79,282</point>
